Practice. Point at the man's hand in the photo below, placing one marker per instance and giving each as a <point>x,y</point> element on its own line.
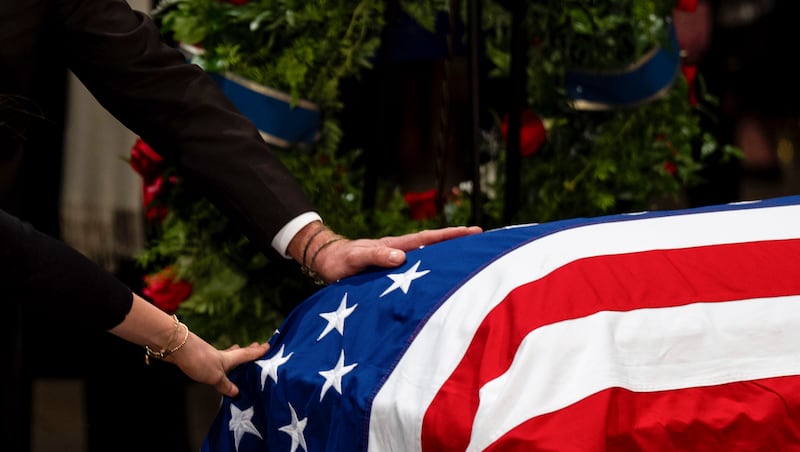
<point>332,257</point>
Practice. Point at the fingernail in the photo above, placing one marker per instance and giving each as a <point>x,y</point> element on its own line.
<point>396,257</point>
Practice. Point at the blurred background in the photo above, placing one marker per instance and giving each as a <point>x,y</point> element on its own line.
<point>742,50</point>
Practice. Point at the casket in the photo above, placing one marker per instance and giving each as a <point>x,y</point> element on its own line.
<point>675,330</point>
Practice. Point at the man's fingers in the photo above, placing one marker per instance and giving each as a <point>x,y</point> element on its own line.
<point>382,257</point>
<point>356,255</point>
<point>417,239</point>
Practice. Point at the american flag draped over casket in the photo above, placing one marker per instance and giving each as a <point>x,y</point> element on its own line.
<point>653,331</point>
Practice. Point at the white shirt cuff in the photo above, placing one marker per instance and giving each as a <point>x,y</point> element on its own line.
<point>281,240</point>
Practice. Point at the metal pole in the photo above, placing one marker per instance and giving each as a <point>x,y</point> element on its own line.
<point>374,148</point>
<point>473,35</point>
<point>517,82</point>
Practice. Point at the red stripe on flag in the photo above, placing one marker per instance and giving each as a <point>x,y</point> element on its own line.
<point>758,415</point>
<point>624,282</point>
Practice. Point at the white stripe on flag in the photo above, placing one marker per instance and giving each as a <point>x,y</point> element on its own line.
<point>644,350</point>
<point>398,408</point>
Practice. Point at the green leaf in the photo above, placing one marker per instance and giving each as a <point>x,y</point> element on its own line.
<point>581,21</point>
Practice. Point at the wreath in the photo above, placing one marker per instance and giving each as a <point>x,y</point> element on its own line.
<point>573,161</point>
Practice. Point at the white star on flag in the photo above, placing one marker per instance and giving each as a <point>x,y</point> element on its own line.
<point>270,366</point>
<point>402,281</point>
<point>333,377</point>
<point>336,318</point>
<point>295,430</point>
<point>241,423</point>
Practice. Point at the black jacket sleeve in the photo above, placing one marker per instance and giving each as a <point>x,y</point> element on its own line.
<point>48,278</point>
<point>177,109</point>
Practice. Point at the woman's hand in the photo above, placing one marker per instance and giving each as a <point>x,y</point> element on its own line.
<point>205,364</point>
<point>149,326</point>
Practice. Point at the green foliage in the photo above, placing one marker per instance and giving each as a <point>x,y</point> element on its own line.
<point>592,162</point>
<point>601,162</point>
<point>301,47</point>
<point>306,49</point>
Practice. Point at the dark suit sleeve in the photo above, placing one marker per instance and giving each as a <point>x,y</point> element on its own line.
<point>178,109</point>
<point>49,279</point>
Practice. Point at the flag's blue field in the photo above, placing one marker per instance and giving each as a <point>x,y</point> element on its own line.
<point>675,330</point>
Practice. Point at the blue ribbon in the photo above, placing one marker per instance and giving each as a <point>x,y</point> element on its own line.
<point>270,110</point>
<point>645,80</point>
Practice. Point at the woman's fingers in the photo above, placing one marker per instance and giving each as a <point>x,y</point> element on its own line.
<point>239,355</point>
<point>226,387</point>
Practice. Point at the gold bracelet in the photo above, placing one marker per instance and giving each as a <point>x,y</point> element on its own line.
<point>321,228</point>
<point>309,271</point>
<point>164,352</point>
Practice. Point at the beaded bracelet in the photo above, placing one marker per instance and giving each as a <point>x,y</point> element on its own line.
<point>321,228</point>
<point>164,352</point>
<point>308,271</point>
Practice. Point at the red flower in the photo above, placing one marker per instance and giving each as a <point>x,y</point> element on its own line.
<point>146,161</point>
<point>686,5</point>
<point>165,291</point>
<point>150,165</point>
<point>153,210</point>
<point>669,166</point>
<point>532,134</point>
<point>690,72</point>
<point>422,206</point>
